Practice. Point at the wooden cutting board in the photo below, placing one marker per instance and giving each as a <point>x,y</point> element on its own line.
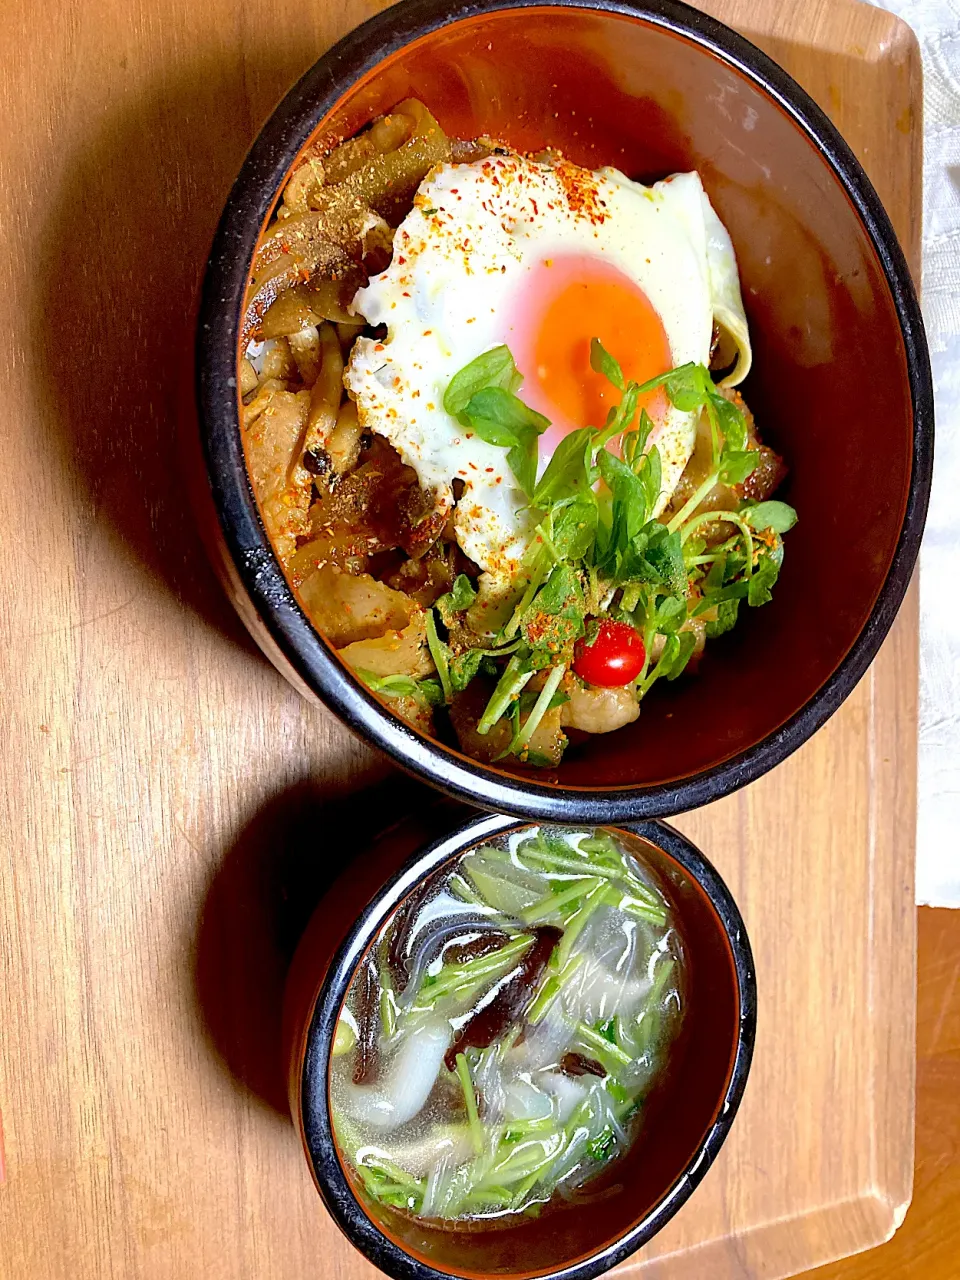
<point>171,808</point>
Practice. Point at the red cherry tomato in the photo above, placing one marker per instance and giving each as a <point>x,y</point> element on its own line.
<point>612,658</point>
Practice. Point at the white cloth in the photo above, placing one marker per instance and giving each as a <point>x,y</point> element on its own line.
<point>937,24</point>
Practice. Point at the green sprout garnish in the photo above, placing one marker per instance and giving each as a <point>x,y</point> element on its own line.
<point>598,549</point>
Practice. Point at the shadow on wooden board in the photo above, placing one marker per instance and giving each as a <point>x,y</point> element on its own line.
<point>268,886</point>
<point>123,248</point>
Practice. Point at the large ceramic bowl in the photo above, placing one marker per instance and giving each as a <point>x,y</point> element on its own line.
<point>688,1115</point>
<point>840,381</point>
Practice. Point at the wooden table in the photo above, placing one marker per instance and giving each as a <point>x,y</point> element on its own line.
<point>927,1246</point>
<point>171,807</point>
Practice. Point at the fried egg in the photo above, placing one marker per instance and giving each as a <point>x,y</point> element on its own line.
<point>542,256</point>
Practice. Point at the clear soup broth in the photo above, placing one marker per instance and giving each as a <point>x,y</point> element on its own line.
<point>498,1044</point>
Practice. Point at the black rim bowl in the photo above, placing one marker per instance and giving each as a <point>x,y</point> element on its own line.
<point>314,1104</point>
<point>246,540</point>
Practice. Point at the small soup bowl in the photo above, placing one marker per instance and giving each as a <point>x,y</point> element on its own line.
<point>691,1107</point>
<point>840,382</point>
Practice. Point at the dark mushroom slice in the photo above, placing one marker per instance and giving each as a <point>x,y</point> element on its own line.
<point>366,1063</point>
<point>398,943</point>
<point>484,944</point>
<point>576,1064</point>
<point>511,1002</point>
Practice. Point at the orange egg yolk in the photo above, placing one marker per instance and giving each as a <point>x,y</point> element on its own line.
<point>567,301</point>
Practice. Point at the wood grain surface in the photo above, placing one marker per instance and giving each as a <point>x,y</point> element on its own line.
<point>927,1246</point>
<point>171,809</point>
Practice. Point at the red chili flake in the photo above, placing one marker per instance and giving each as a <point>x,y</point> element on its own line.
<point>402,261</point>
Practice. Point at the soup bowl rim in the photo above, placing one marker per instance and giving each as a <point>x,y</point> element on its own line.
<point>314,1101</point>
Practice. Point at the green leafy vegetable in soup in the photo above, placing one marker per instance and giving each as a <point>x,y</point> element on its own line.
<point>498,1045</point>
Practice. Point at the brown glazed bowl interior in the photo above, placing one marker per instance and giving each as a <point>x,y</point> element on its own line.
<point>687,1116</point>
<point>840,383</point>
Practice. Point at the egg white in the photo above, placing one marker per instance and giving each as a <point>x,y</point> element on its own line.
<point>459,265</point>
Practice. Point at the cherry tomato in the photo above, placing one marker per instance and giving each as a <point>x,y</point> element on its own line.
<point>612,658</point>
